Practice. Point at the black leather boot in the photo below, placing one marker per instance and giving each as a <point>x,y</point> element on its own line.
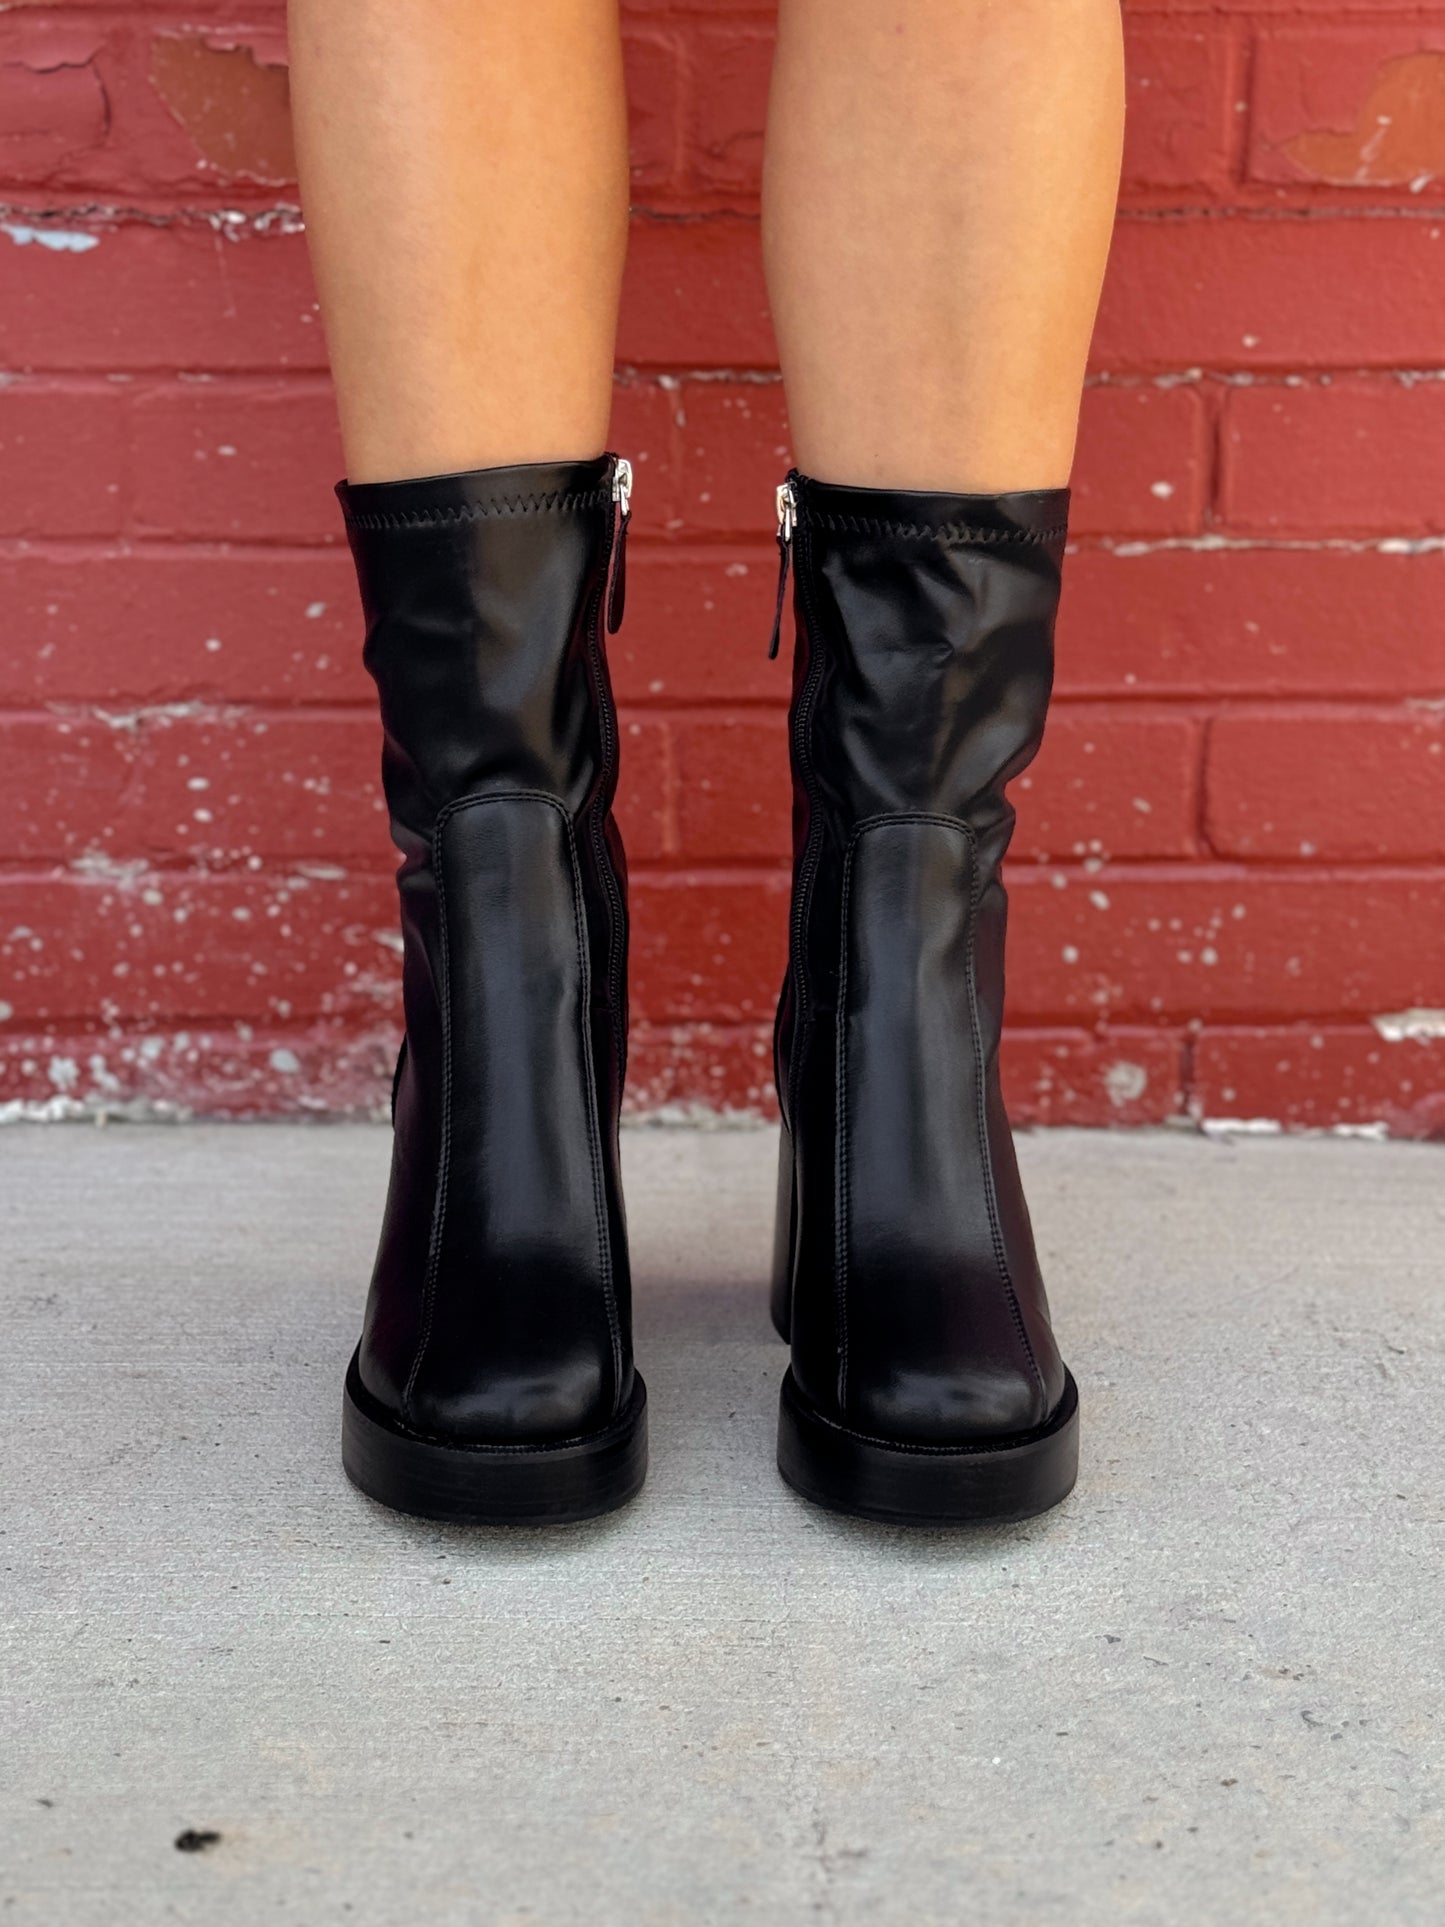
<point>494,1379</point>
<point>926,1387</point>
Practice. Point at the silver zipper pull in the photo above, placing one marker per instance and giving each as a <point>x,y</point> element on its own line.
<point>622,500</point>
<point>787,503</point>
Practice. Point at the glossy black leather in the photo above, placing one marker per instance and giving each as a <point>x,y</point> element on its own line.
<point>499,1308</point>
<point>922,673</point>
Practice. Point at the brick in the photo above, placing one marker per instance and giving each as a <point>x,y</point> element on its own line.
<point>682,1068</point>
<point>53,105</point>
<point>1319,1077</point>
<point>1359,106</point>
<point>222,789</point>
<point>1143,463</point>
<point>644,429</point>
<point>1107,784</point>
<point>649,8</point>
<point>1208,7</point>
<point>225,1071</point>
<point>61,783</point>
<point>217,789</point>
<point>139,296</point>
<point>1252,622</point>
<point>708,946</point>
<point>169,949</point>
<point>735,791</point>
<point>232,97</point>
<point>62,459</point>
<point>1073,1077</point>
<point>1342,787</point>
<point>730,70</point>
<point>164,625</point>
<point>113,112</point>
<point>1339,457</point>
<point>653,110</point>
<point>693,295</point>
<point>1179,129</point>
<point>200,9</point>
<point>646,802</point>
<point>237,459</point>
<point>734,452</point>
<point>1126,946</point>
<point>697,627</point>
<point>179,295</point>
<point>1246,293</point>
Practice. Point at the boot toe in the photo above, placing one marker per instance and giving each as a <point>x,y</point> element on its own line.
<point>971,1403</point>
<point>566,1399</point>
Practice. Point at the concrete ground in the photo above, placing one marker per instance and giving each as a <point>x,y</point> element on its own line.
<point>1208,1689</point>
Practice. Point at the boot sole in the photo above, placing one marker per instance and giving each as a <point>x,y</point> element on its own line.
<point>927,1485</point>
<point>492,1485</point>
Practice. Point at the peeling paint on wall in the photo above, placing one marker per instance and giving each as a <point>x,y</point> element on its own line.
<point>56,240</point>
<point>233,102</point>
<point>1398,139</point>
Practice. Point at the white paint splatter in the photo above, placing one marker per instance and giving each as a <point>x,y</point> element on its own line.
<point>1416,1025</point>
<point>56,240</point>
<point>1125,1082</point>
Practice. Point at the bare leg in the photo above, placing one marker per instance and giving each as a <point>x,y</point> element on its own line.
<point>464,175</point>
<point>939,192</point>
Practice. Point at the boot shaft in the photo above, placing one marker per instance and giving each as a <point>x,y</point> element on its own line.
<point>481,594</point>
<point>924,659</point>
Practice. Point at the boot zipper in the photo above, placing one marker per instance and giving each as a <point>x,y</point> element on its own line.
<point>614,593</point>
<point>787,522</point>
<point>616,567</point>
<point>622,500</point>
<point>801,722</point>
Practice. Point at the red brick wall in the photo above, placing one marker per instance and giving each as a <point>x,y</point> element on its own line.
<point>1232,851</point>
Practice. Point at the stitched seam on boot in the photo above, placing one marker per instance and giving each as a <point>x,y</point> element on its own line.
<point>946,532</point>
<point>444,1142</point>
<point>594,1126</point>
<point>599,1195</point>
<point>842,1214</point>
<point>989,1192</point>
<point>558,502</point>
